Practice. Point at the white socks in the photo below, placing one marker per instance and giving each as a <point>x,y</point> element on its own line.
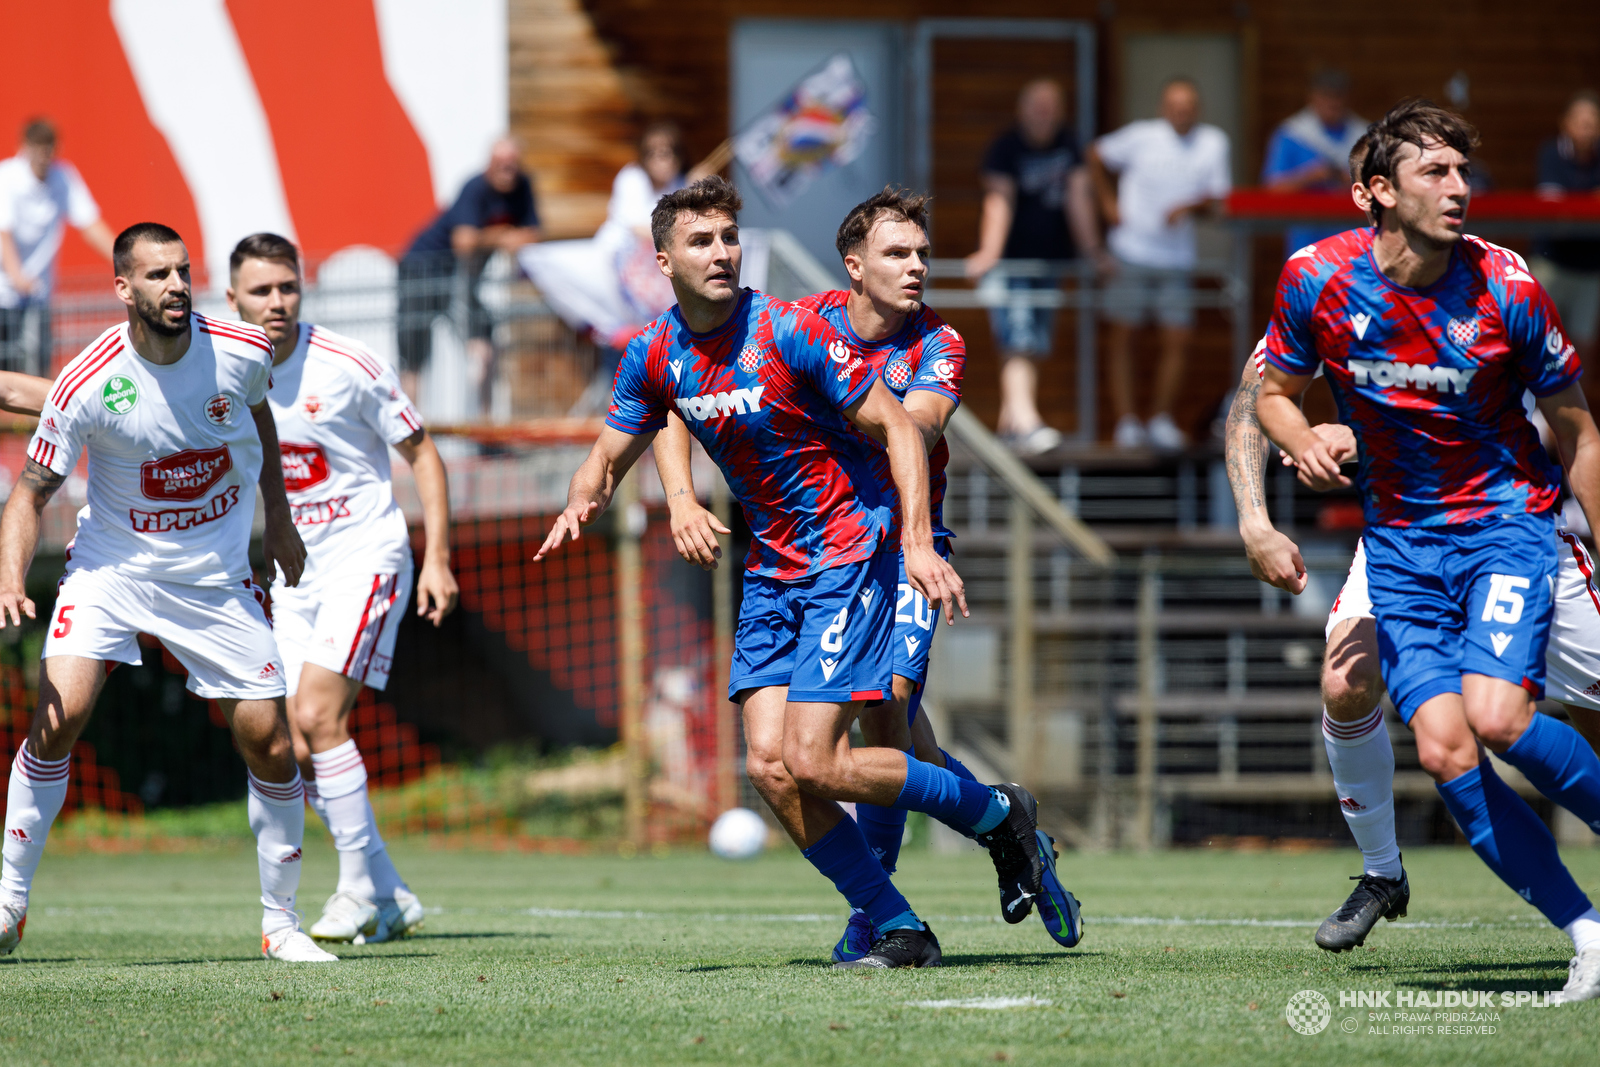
<point>278,819</point>
<point>37,791</point>
<point>1584,931</point>
<point>341,787</point>
<point>1363,775</point>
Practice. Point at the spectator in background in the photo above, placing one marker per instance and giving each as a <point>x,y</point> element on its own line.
<point>1310,151</point>
<point>39,196</point>
<point>495,212</point>
<point>1569,268</point>
<point>1036,205</point>
<point>1169,171</point>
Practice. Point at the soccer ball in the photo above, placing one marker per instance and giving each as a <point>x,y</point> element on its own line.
<point>738,834</point>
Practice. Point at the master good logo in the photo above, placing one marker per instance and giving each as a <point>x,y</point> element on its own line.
<point>185,475</point>
<point>303,465</point>
<point>119,395</point>
<point>219,409</point>
<point>1308,1012</point>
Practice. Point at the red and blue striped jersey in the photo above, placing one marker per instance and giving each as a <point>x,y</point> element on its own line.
<point>1431,380</point>
<point>765,394</point>
<point>926,353</point>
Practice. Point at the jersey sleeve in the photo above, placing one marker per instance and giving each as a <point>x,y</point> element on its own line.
<point>59,437</point>
<point>636,408</point>
<point>943,364</point>
<point>1545,358</point>
<point>821,356</point>
<point>258,382</point>
<point>1289,344</point>
<point>386,408</point>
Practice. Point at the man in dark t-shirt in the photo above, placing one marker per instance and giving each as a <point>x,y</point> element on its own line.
<point>1036,206</point>
<point>1569,268</point>
<point>494,212</point>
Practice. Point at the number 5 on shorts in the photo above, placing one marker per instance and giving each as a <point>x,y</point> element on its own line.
<point>1504,603</point>
<point>65,620</point>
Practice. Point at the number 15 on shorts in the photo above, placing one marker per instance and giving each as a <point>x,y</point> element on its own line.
<point>1504,603</point>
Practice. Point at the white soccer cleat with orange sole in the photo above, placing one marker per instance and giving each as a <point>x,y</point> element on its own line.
<point>293,946</point>
<point>346,917</point>
<point>12,919</point>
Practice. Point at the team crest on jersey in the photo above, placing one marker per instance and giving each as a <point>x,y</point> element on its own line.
<point>219,410</point>
<point>313,406</point>
<point>120,395</point>
<point>898,374</point>
<point>751,358</point>
<point>1463,332</point>
<point>838,351</point>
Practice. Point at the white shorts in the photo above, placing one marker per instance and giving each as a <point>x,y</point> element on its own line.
<point>346,624</point>
<point>1572,663</point>
<point>220,634</point>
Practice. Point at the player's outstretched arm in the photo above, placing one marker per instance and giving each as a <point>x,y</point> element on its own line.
<point>931,412</point>
<point>1578,443</point>
<point>19,536</point>
<point>437,590</point>
<point>879,415</point>
<point>280,541</point>
<point>23,394</point>
<point>1274,558</point>
<point>694,529</point>
<point>1315,457</point>
<point>592,487</point>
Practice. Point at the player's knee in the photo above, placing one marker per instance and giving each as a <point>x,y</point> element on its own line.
<point>812,772</point>
<point>1350,692</point>
<point>1445,760</point>
<point>767,775</point>
<point>1498,726</point>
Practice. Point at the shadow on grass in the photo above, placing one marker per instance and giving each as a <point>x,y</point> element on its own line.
<point>18,961</point>
<point>471,936</point>
<point>1020,959</point>
<point>1496,977</point>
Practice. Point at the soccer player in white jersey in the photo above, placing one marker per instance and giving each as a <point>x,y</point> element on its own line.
<point>338,410</point>
<point>171,409</point>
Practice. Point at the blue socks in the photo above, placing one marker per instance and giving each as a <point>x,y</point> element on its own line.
<point>844,859</point>
<point>884,829</point>
<point>944,795</point>
<point>1561,765</point>
<point>1515,843</point>
<point>956,767</point>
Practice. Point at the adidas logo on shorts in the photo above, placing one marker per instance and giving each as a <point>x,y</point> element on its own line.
<point>269,671</point>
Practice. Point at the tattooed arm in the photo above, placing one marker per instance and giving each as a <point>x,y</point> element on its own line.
<point>19,536</point>
<point>694,529</point>
<point>1274,558</point>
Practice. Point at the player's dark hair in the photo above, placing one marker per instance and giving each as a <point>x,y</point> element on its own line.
<point>1415,122</point>
<point>39,131</point>
<point>122,250</point>
<point>264,246</point>
<point>1358,157</point>
<point>894,204</point>
<point>708,196</point>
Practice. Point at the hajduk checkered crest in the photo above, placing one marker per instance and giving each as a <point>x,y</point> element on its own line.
<point>750,359</point>
<point>1463,332</point>
<point>1308,1012</point>
<point>898,375</point>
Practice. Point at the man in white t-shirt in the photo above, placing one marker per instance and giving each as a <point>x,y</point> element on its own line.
<point>339,410</point>
<point>1168,171</point>
<point>39,196</point>
<point>171,408</point>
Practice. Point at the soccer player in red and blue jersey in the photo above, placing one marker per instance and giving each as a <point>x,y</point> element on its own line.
<point>789,410</point>
<point>883,243</point>
<point>1428,341</point>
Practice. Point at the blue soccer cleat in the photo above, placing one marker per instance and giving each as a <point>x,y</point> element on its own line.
<point>1058,909</point>
<point>859,934</point>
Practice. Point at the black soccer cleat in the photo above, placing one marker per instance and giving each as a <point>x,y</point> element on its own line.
<point>1372,898</point>
<point>1014,847</point>
<point>899,948</point>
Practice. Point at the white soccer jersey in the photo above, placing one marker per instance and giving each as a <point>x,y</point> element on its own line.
<point>173,452</point>
<point>338,409</point>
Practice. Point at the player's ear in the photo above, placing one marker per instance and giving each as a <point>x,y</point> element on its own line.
<point>664,261</point>
<point>1383,190</point>
<point>233,305</point>
<point>853,267</point>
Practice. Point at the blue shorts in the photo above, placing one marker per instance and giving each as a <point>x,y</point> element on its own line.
<point>915,623</point>
<point>825,637</point>
<point>1474,598</point>
<point>1020,331</point>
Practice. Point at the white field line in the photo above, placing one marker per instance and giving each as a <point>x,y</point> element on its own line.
<point>1089,920</point>
<point>984,1003</point>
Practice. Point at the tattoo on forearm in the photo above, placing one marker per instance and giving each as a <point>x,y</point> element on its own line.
<point>680,492</point>
<point>1248,449</point>
<point>41,480</point>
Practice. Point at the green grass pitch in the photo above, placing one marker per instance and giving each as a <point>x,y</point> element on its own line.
<point>1190,958</point>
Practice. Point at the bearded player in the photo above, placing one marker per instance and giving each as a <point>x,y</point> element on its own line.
<point>1429,341</point>
<point>776,395</point>
<point>339,410</point>
<point>171,409</point>
<point>883,242</point>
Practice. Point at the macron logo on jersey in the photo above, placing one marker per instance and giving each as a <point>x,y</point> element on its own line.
<point>1384,374</point>
<point>1359,321</point>
<point>721,405</point>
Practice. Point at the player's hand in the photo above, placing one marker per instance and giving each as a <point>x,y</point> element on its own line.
<point>1317,467</point>
<point>978,264</point>
<point>281,544</point>
<point>14,604</point>
<point>1341,440</point>
<point>568,523</point>
<point>694,532</point>
<point>437,591</point>
<point>933,577</point>
<point>1275,559</point>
